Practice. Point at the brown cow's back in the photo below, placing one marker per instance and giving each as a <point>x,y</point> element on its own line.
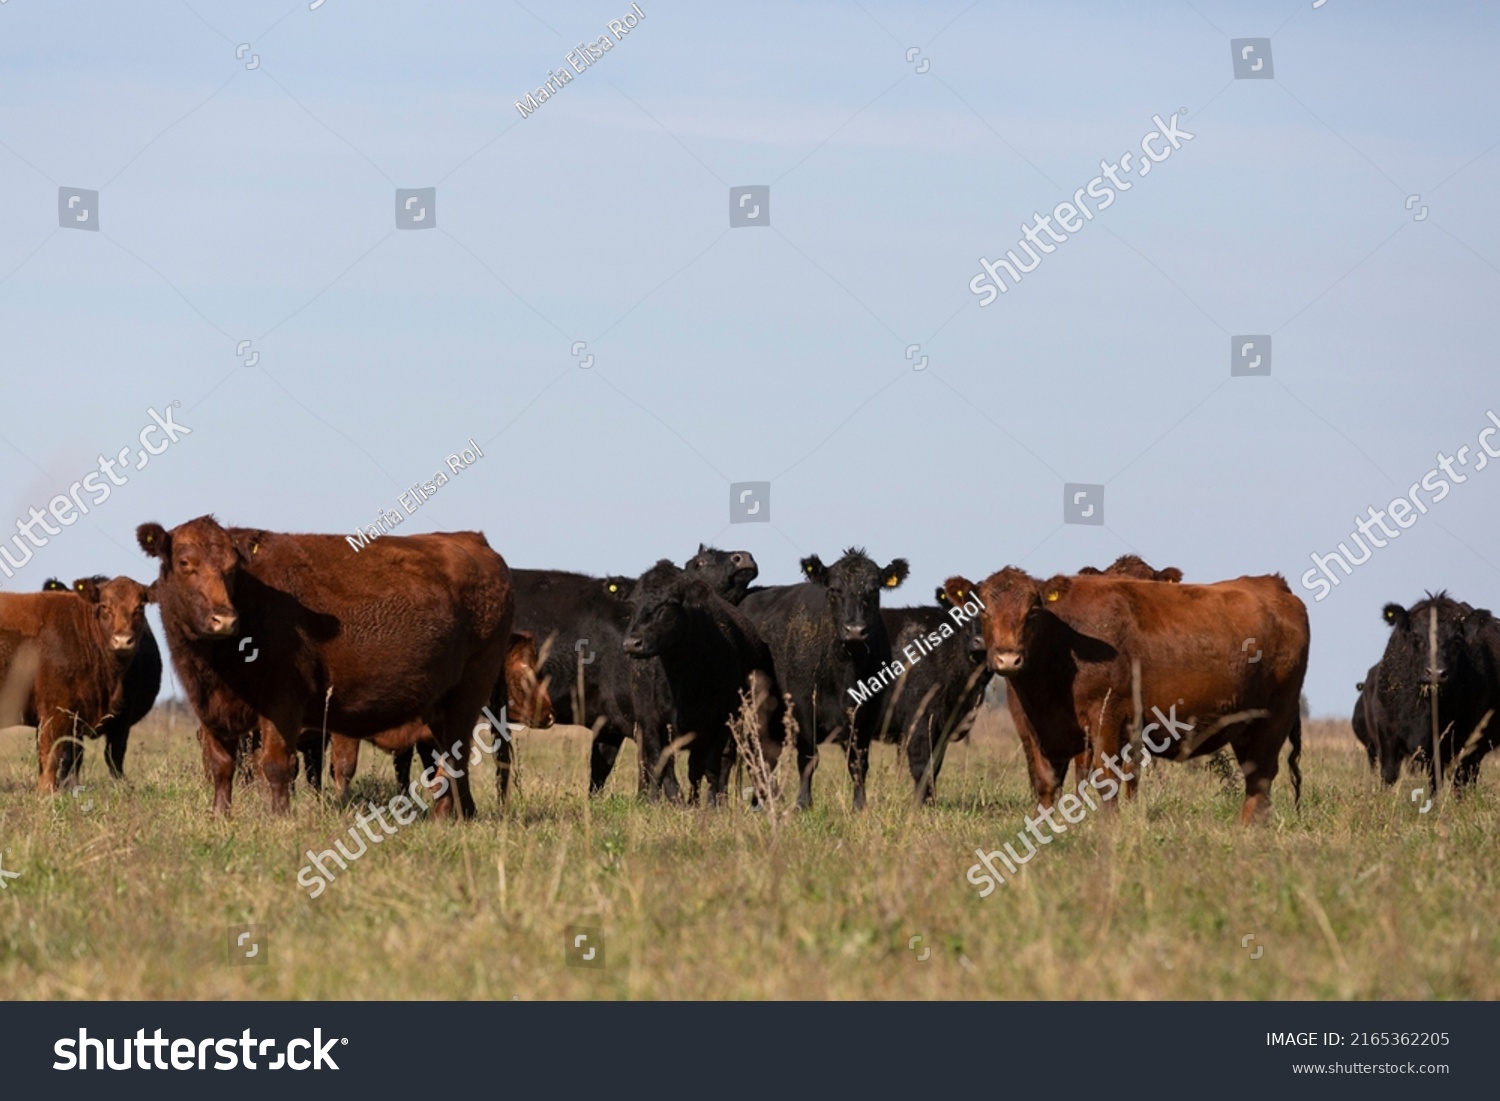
<point>1195,643</point>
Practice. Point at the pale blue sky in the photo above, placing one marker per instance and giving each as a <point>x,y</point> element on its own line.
<point>259,204</point>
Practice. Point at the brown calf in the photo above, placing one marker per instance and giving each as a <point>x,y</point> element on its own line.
<point>62,658</point>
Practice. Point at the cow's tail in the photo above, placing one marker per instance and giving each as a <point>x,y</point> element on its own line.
<point>1294,762</point>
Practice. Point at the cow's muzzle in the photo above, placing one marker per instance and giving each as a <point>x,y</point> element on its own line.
<point>222,624</point>
<point>1007,662</point>
<point>635,646</point>
<point>855,632</point>
<point>122,644</point>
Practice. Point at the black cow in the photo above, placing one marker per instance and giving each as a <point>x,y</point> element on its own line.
<point>827,638</point>
<point>1467,687</point>
<point>709,653</point>
<point>935,701</point>
<point>135,693</point>
<point>579,623</point>
<point>1367,718</point>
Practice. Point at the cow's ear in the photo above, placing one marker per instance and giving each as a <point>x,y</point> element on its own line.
<point>88,588</point>
<point>151,594</point>
<point>1055,590</point>
<point>249,544</point>
<point>523,648</point>
<point>814,570</point>
<point>942,598</point>
<point>53,585</point>
<point>1476,623</point>
<point>1171,574</point>
<point>618,587</point>
<point>155,541</point>
<point>1090,571</point>
<point>894,574</point>
<point>1396,616</point>
<point>957,590</point>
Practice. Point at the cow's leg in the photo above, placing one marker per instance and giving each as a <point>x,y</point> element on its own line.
<point>919,759</point>
<point>401,761</point>
<point>278,758</point>
<point>664,771</point>
<point>504,750</point>
<point>807,761</point>
<point>48,751</point>
<point>453,732</point>
<point>59,750</point>
<point>116,738</point>
<point>1466,772</point>
<point>221,751</point>
<point>1259,754</point>
<point>602,756</point>
<point>655,774</point>
<point>858,756</point>
<point>343,762</point>
<point>311,748</point>
<point>1083,764</point>
<point>719,765</point>
<point>697,751</point>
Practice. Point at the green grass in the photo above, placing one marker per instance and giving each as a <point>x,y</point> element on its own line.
<point>1358,896</point>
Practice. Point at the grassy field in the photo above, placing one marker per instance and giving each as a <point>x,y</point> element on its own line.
<point>127,890</point>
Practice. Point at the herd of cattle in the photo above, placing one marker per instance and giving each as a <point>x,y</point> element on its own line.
<point>292,644</point>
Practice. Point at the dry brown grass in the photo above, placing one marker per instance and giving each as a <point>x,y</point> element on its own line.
<point>1358,896</point>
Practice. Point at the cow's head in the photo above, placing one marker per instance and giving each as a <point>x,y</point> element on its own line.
<point>1013,603</point>
<point>727,573</point>
<point>854,584</point>
<point>658,613</point>
<point>526,695</point>
<point>118,606</point>
<point>1407,679</point>
<point>199,563</point>
<point>1137,568</point>
<point>120,609</point>
<point>972,630</point>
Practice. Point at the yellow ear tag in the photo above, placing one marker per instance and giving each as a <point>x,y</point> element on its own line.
<point>1052,596</point>
<point>892,582</point>
<point>614,588</point>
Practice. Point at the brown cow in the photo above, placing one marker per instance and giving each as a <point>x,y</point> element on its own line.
<point>63,656</point>
<point>299,632</point>
<point>1070,648</point>
<point>526,701</point>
